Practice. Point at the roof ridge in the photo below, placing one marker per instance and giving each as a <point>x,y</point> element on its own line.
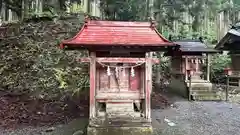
<point>95,35</point>
<point>118,23</point>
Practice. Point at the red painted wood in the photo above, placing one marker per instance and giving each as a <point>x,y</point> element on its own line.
<point>113,81</point>
<point>120,60</point>
<point>103,78</point>
<point>124,92</point>
<point>155,60</point>
<point>86,59</point>
<point>126,82</point>
<point>115,102</point>
<point>118,33</point>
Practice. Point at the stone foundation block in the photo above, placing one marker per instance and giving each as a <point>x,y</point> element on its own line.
<point>119,131</point>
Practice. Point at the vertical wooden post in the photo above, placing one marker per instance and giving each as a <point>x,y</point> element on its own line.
<point>150,71</point>
<point>148,87</point>
<point>208,66</point>
<point>227,88</point>
<point>92,85</point>
<point>190,87</point>
<point>186,65</point>
<point>238,82</point>
<point>143,72</point>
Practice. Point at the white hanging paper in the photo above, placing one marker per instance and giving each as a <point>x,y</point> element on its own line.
<point>192,61</point>
<point>108,71</point>
<point>199,61</point>
<point>124,74</point>
<point>116,71</point>
<point>196,61</point>
<point>132,72</point>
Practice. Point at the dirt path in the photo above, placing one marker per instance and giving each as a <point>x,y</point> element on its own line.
<point>75,127</point>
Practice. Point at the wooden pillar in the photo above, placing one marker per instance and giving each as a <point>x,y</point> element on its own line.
<point>150,70</point>
<point>148,86</point>
<point>186,65</point>
<point>92,85</point>
<point>208,66</point>
<point>143,72</point>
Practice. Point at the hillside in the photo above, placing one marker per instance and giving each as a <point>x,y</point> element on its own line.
<point>39,82</point>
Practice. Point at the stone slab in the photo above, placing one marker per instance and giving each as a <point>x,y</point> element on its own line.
<point>119,130</point>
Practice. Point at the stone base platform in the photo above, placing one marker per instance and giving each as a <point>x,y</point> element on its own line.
<point>119,126</point>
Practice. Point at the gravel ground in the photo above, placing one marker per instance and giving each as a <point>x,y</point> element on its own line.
<point>183,118</point>
<point>198,118</point>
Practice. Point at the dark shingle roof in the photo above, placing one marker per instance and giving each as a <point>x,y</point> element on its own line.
<point>194,46</point>
<point>236,27</point>
<point>233,35</point>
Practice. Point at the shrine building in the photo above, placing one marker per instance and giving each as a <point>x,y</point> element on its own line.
<point>120,64</point>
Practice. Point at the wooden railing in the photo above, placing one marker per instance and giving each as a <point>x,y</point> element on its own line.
<point>235,73</point>
<point>234,78</point>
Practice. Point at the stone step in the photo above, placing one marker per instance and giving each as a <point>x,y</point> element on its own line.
<point>119,130</point>
<point>125,114</point>
<point>116,108</point>
<point>201,88</point>
<point>206,97</point>
<point>202,92</point>
<point>120,122</point>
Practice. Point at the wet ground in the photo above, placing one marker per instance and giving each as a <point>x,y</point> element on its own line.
<point>183,118</point>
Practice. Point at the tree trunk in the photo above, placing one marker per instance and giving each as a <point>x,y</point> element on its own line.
<point>36,6</point>
<point>10,15</point>
<point>1,3</point>
<point>3,12</point>
<point>40,6</point>
<point>25,9</point>
<point>147,10</point>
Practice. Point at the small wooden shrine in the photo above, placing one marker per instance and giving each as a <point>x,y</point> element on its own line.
<point>230,42</point>
<point>188,61</point>
<point>120,72</point>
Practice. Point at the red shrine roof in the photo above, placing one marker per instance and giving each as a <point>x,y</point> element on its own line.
<point>117,33</point>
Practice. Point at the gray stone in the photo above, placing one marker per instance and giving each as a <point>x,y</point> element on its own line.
<point>79,132</point>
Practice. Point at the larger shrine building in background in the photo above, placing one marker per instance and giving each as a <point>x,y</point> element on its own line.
<point>120,70</point>
<point>230,43</point>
